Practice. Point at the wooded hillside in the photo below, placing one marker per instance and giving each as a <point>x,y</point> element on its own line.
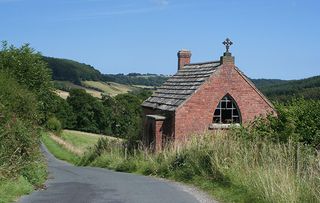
<point>275,89</point>
<point>73,71</point>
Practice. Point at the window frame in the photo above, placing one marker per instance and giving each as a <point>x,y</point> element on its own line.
<point>227,103</point>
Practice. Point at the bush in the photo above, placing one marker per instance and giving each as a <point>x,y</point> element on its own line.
<point>298,120</point>
<point>54,125</point>
<point>19,133</point>
<point>24,87</point>
<point>27,68</point>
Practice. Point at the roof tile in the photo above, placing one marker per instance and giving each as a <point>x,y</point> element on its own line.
<point>181,86</point>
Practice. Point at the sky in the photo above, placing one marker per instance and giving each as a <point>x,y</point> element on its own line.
<point>272,38</point>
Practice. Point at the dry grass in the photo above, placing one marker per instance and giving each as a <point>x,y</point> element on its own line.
<point>70,85</point>
<point>62,94</point>
<point>233,169</point>
<point>110,88</point>
<point>79,133</point>
<point>144,87</point>
<point>66,145</point>
<point>78,142</point>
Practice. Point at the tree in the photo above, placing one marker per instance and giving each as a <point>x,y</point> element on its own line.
<point>26,66</point>
<point>89,112</point>
<point>63,112</point>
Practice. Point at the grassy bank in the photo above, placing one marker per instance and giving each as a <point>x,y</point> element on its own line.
<point>22,180</point>
<point>231,169</point>
<point>81,140</point>
<point>11,189</point>
<point>74,141</point>
<point>59,151</point>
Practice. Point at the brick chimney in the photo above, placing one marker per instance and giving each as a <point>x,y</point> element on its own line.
<point>184,57</point>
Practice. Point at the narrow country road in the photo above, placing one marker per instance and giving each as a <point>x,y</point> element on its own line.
<point>68,183</point>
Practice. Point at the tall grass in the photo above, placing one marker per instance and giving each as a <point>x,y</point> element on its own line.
<point>233,169</point>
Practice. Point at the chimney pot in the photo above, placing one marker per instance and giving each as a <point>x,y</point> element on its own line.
<point>184,57</point>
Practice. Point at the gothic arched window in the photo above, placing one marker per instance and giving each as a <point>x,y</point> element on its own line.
<point>227,111</point>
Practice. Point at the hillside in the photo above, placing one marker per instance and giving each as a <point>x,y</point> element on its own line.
<point>73,71</point>
<point>109,88</point>
<point>282,90</point>
<point>89,78</point>
<point>149,80</point>
<point>63,88</point>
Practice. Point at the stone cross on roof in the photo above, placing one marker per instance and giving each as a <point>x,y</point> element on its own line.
<point>227,43</point>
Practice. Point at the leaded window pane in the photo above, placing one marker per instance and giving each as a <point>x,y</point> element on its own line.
<point>226,111</point>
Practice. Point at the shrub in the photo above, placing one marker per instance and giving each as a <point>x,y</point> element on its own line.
<point>298,120</point>
<point>54,125</point>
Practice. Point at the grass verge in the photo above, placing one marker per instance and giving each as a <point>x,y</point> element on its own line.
<point>11,189</point>
<point>31,176</point>
<point>229,168</point>
<point>58,151</point>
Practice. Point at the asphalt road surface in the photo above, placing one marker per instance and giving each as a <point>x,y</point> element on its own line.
<point>68,183</point>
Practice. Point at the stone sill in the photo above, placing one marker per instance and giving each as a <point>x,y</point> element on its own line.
<point>216,126</point>
<point>156,117</point>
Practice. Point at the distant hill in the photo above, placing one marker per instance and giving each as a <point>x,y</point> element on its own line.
<point>137,79</point>
<point>73,71</point>
<point>77,73</point>
<point>267,82</point>
<point>283,90</point>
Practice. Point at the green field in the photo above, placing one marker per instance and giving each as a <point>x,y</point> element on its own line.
<point>82,141</point>
<point>96,88</point>
<point>64,86</point>
<point>79,139</point>
<point>110,88</point>
<point>58,151</point>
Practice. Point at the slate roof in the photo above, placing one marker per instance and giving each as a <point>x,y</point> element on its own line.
<point>181,86</point>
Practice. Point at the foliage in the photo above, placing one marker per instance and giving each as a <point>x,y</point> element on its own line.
<point>21,165</point>
<point>18,131</point>
<point>298,120</point>
<point>25,92</point>
<point>126,115</point>
<point>281,90</point>
<point>27,68</point>
<point>16,99</point>
<point>119,116</point>
<point>69,70</point>
<point>53,124</point>
<point>63,112</point>
<point>89,113</point>
<point>75,72</point>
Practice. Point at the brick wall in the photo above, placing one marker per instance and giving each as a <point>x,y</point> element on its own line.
<point>164,131</point>
<point>196,114</point>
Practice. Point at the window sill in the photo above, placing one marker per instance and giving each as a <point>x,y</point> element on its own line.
<point>215,126</point>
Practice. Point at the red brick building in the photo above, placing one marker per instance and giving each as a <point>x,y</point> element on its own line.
<point>201,97</point>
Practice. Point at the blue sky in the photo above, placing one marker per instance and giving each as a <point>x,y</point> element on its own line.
<point>272,39</point>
